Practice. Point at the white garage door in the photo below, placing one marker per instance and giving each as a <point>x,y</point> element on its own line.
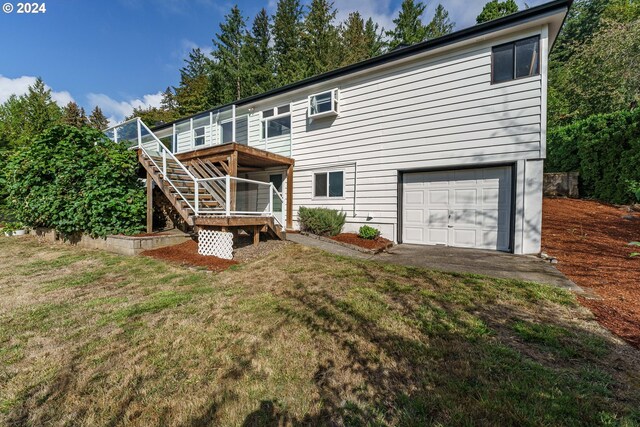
<point>468,208</point>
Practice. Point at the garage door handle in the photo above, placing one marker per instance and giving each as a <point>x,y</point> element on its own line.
<point>450,226</point>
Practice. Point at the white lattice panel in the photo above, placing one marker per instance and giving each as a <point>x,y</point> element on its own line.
<point>215,243</point>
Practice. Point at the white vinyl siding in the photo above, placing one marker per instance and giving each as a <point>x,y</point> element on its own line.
<point>433,113</point>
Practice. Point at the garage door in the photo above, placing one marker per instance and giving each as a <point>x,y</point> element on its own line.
<point>468,208</point>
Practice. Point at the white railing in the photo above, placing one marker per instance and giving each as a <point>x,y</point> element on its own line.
<point>256,198</point>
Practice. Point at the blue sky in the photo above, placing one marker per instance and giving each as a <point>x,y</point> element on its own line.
<point>123,53</point>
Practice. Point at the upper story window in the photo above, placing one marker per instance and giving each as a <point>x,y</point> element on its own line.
<point>198,136</point>
<point>276,122</point>
<point>323,104</point>
<point>516,60</point>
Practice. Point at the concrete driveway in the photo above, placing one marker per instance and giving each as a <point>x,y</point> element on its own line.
<point>487,263</point>
<point>456,260</point>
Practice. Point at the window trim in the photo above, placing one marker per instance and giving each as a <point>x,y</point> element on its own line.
<point>203,136</point>
<point>277,115</point>
<point>513,66</point>
<point>335,104</point>
<point>328,197</point>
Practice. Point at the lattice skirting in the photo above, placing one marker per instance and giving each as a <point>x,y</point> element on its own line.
<point>215,243</point>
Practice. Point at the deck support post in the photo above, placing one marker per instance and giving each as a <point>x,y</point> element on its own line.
<point>149,203</point>
<point>233,171</point>
<point>256,235</point>
<point>290,197</point>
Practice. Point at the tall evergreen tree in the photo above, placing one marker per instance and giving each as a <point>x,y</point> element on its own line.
<point>440,25</point>
<point>321,41</point>
<point>193,94</point>
<point>287,41</point>
<point>409,28</point>
<point>97,119</point>
<point>12,122</point>
<point>40,110</point>
<point>259,57</point>
<point>229,45</point>
<point>353,40</point>
<point>497,9</point>
<point>168,101</point>
<point>373,35</point>
<point>74,115</point>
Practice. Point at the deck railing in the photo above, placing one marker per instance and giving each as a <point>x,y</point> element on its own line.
<point>242,197</point>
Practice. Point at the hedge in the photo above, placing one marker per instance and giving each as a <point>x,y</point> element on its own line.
<point>321,221</point>
<point>605,149</point>
<point>76,180</point>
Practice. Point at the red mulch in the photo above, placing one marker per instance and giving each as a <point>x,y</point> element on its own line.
<point>590,241</point>
<point>187,254</point>
<point>354,239</point>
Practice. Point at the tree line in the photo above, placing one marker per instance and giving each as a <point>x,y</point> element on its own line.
<point>294,43</point>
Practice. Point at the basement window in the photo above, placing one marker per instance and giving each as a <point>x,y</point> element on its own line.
<point>323,104</point>
<point>328,184</point>
<point>515,60</point>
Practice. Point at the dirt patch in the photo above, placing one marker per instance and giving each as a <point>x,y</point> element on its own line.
<point>244,249</point>
<point>590,241</point>
<point>187,254</point>
<point>353,239</point>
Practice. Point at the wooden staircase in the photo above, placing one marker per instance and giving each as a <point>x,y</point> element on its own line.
<point>179,188</point>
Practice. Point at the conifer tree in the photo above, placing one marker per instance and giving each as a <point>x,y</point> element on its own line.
<point>228,53</point>
<point>259,56</point>
<point>193,94</point>
<point>321,38</point>
<point>287,42</point>
<point>97,119</point>
<point>409,28</point>
<point>373,36</point>
<point>74,115</point>
<point>168,101</point>
<point>39,109</point>
<point>353,40</point>
<point>496,9</point>
<point>440,25</point>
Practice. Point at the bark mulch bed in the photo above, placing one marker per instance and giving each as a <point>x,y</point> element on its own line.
<point>187,254</point>
<point>353,239</point>
<point>590,241</point>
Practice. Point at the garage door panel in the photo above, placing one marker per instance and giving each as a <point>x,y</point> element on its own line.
<point>465,196</point>
<point>438,236</point>
<point>438,197</point>
<point>467,208</point>
<point>438,218</point>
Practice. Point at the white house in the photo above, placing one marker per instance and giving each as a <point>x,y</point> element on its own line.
<point>438,143</point>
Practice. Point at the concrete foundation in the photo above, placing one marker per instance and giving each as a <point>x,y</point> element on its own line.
<point>123,245</point>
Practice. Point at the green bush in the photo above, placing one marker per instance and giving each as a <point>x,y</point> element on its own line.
<point>605,149</point>
<point>368,233</point>
<point>321,221</point>
<point>76,180</point>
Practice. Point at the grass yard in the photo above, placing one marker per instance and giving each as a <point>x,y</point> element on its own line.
<point>300,337</point>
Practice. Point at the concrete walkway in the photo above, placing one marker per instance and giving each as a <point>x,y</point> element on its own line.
<point>457,260</point>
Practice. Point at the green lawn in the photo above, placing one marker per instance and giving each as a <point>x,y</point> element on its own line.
<point>299,338</point>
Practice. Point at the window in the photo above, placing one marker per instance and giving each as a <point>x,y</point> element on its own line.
<point>328,184</point>
<point>323,104</point>
<point>198,136</point>
<point>276,122</point>
<point>226,129</point>
<point>516,60</point>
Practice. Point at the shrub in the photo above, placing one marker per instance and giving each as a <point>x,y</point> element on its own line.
<point>76,180</point>
<point>605,149</point>
<point>368,233</point>
<point>321,221</point>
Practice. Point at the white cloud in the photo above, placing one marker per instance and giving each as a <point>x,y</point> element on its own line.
<point>20,86</point>
<point>118,110</point>
<point>381,11</point>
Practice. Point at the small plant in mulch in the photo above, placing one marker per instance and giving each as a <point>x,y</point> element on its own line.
<point>368,233</point>
<point>634,254</point>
